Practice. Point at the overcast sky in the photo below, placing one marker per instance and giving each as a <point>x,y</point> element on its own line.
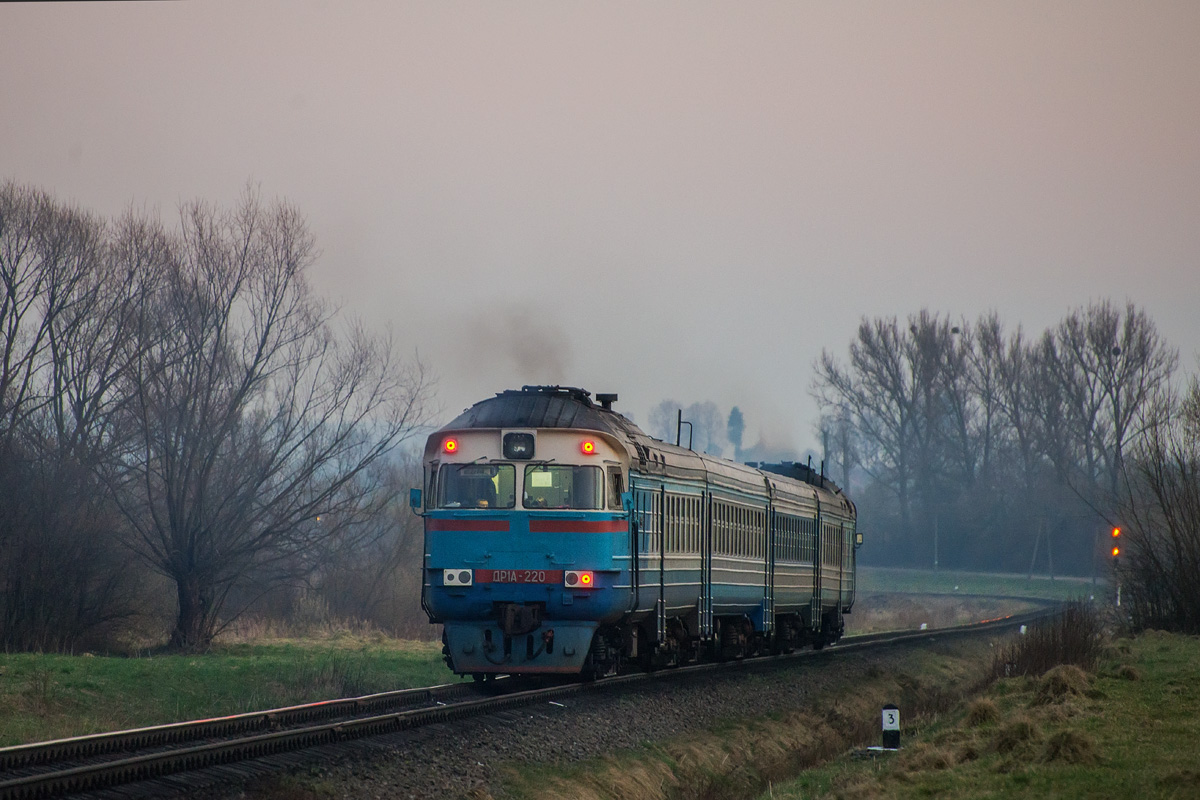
<point>665,200</point>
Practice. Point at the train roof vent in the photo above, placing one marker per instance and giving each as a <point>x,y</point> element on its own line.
<point>573,392</point>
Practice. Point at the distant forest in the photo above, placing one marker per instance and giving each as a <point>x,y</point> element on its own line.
<point>976,446</point>
<point>972,445</point>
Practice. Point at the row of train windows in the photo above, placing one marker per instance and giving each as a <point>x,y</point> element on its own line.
<point>736,530</point>
<point>794,538</point>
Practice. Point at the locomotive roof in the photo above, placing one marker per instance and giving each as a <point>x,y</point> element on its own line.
<point>570,407</point>
<point>543,407</point>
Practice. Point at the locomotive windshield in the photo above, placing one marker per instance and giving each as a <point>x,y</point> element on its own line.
<point>555,486</point>
<point>477,486</point>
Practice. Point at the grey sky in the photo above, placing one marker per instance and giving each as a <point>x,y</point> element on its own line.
<point>680,200</point>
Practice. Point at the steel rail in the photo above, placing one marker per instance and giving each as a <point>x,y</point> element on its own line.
<point>80,747</point>
<point>139,767</point>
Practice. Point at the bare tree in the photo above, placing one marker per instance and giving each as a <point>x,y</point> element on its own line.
<point>1139,365</point>
<point>380,582</point>
<point>661,423</point>
<point>736,428</point>
<point>1107,366</point>
<point>1014,364</point>
<point>256,423</point>
<point>892,391</point>
<point>708,427</point>
<point>46,252</point>
<point>1160,513</point>
<point>707,431</point>
<point>94,340</point>
<point>62,581</point>
<point>839,443</point>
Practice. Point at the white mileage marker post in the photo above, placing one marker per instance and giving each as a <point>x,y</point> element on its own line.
<point>891,727</point>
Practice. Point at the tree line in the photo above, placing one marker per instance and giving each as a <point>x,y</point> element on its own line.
<point>187,432</point>
<point>986,447</point>
<point>1158,507</point>
<point>184,424</point>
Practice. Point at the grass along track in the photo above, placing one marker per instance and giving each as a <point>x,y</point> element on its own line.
<point>1128,729</point>
<point>52,769</point>
<point>51,696</point>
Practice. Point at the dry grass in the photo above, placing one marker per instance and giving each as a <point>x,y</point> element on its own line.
<point>1017,733</point>
<point>1074,636</point>
<point>982,711</point>
<point>895,612</point>
<point>922,757</point>
<point>1060,684</point>
<point>1128,672</point>
<point>257,630</point>
<point>747,757</point>
<point>1070,746</point>
<point>1122,731</point>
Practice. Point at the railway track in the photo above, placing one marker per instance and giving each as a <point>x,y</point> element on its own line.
<point>100,762</point>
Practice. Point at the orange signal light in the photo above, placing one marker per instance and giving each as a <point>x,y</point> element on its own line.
<point>588,448</point>
<point>1116,532</point>
<point>1116,552</point>
<point>450,445</point>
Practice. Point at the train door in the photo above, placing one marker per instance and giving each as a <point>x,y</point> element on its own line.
<point>769,574</point>
<point>706,592</point>
<point>815,543</point>
<point>646,547</point>
<point>849,566</point>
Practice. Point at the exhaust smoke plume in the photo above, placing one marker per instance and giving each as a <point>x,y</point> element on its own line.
<point>517,346</point>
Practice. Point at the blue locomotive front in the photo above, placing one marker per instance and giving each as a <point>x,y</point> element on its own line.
<point>560,538</point>
<point>526,540</point>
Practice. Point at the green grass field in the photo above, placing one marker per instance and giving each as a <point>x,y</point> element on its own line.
<point>46,696</point>
<point>54,696</point>
<point>914,581</point>
<point>1128,731</point>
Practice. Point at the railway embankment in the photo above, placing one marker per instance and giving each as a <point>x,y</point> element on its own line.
<point>1126,728</point>
<point>715,735</point>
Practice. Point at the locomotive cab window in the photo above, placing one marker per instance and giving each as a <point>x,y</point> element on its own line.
<point>562,486</point>
<point>477,486</point>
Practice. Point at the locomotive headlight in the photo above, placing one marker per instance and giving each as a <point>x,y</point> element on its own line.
<point>579,579</point>
<point>588,447</point>
<point>518,446</point>
<point>450,446</point>
<point>456,577</point>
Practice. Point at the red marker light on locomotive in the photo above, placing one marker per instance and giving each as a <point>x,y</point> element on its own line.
<point>450,446</point>
<point>579,579</point>
<point>588,448</point>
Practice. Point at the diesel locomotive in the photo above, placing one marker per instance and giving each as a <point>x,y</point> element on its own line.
<point>560,538</point>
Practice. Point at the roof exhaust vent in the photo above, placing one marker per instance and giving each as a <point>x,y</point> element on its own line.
<point>607,400</point>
